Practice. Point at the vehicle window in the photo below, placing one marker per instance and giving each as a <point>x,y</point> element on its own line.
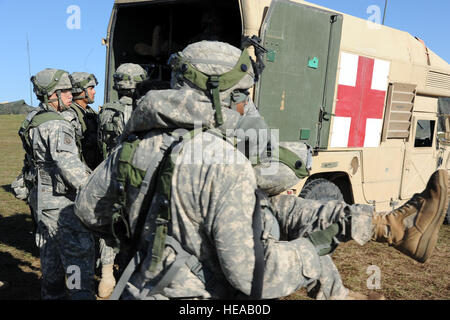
<point>424,133</point>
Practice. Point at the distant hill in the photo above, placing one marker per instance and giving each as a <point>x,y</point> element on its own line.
<point>16,107</point>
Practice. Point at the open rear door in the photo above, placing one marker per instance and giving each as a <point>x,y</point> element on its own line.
<point>296,91</point>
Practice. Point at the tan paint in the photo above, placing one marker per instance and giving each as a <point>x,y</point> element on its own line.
<point>389,174</point>
<point>418,163</point>
<point>425,104</point>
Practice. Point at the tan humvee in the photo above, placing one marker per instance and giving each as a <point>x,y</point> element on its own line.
<point>364,96</point>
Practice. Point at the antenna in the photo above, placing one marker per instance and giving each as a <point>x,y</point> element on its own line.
<point>385,6</point>
<point>29,70</point>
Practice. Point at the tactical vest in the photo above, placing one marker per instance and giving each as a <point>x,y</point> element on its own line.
<point>158,193</point>
<point>88,144</point>
<point>108,126</point>
<point>34,120</point>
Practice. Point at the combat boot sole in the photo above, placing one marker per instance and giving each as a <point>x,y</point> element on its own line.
<point>425,240</point>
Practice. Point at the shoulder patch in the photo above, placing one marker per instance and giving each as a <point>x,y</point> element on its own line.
<point>66,140</point>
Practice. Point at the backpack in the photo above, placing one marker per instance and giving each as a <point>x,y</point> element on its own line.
<point>155,197</point>
<point>110,126</point>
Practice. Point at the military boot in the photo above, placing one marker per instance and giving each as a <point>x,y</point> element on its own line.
<point>413,228</point>
<point>108,282</point>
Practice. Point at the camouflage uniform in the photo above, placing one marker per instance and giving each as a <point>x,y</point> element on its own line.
<point>114,116</point>
<point>210,250</point>
<point>110,115</point>
<point>19,188</point>
<point>106,253</point>
<point>112,120</point>
<point>62,239</point>
<point>85,124</point>
<point>212,203</point>
<point>112,124</point>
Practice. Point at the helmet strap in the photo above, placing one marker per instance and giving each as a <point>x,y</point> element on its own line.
<point>89,100</point>
<point>62,106</point>
<point>213,85</point>
<point>47,100</point>
<point>86,96</point>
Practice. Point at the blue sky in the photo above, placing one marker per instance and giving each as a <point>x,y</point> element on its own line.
<point>53,44</point>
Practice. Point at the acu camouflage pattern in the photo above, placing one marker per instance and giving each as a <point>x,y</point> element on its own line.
<point>212,203</point>
<point>135,74</point>
<point>215,58</point>
<point>19,188</point>
<point>112,120</point>
<point>62,239</point>
<point>45,78</point>
<point>77,82</point>
<point>114,116</point>
<point>63,243</point>
<point>106,252</point>
<point>85,124</point>
<point>55,154</point>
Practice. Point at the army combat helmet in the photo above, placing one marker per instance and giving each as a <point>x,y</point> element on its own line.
<point>49,81</point>
<point>220,69</point>
<point>127,76</point>
<point>81,81</point>
<point>226,73</point>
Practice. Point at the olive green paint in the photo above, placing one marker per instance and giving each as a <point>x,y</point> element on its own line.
<point>301,66</point>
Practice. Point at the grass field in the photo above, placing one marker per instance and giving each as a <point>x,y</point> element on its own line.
<point>401,277</point>
<point>19,257</point>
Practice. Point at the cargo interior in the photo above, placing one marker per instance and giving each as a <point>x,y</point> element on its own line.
<point>148,33</point>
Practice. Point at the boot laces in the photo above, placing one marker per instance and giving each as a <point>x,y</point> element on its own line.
<point>416,202</point>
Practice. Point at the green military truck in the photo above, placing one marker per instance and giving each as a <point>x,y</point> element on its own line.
<point>373,102</point>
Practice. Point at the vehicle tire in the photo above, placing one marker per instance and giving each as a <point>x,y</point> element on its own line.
<point>321,189</point>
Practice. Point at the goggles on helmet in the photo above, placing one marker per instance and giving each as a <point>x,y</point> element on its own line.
<point>214,83</point>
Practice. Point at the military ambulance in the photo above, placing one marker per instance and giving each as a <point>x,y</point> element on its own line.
<point>372,102</point>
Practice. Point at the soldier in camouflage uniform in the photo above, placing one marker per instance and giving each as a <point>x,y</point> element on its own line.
<point>55,174</point>
<point>84,118</point>
<point>112,120</point>
<point>213,247</point>
<point>85,123</point>
<point>114,116</point>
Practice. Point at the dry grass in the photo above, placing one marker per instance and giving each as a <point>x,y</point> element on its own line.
<point>401,277</point>
<point>19,257</point>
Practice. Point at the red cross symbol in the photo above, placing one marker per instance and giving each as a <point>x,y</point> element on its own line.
<point>360,102</point>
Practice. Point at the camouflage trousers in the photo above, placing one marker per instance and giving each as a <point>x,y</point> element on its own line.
<point>307,216</point>
<point>106,254</point>
<point>67,255</point>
